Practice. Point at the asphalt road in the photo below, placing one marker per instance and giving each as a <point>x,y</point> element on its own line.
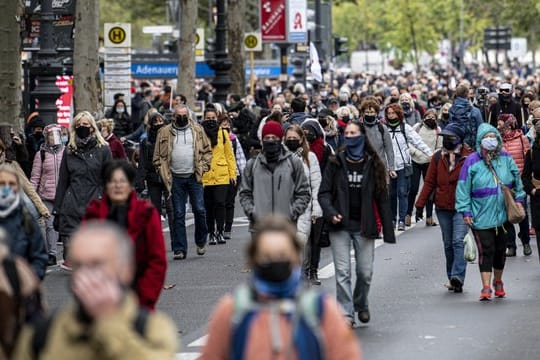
<point>413,315</point>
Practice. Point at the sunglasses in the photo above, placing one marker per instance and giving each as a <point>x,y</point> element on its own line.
<point>505,91</point>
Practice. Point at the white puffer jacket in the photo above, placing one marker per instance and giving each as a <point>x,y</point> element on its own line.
<point>400,143</point>
<point>431,138</point>
<point>313,173</point>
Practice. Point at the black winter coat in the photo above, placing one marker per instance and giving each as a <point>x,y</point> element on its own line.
<point>79,183</point>
<point>146,170</point>
<point>513,108</point>
<point>532,168</point>
<point>334,200</point>
<point>122,125</point>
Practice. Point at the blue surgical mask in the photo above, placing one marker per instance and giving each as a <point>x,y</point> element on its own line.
<point>120,110</point>
<point>65,139</point>
<point>490,143</point>
<point>278,289</point>
<point>354,147</point>
<point>8,196</point>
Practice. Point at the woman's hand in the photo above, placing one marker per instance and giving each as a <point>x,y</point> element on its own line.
<point>468,220</point>
<point>336,219</point>
<point>533,192</point>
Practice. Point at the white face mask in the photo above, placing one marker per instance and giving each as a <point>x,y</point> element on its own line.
<point>490,143</point>
<point>120,110</point>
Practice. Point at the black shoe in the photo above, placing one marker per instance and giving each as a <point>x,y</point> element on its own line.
<point>527,251</point>
<point>227,235</point>
<point>51,261</point>
<point>314,279</point>
<point>364,316</point>
<point>511,252</point>
<point>179,255</point>
<point>212,239</point>
<point>457,284</point>
<point>220,239</point>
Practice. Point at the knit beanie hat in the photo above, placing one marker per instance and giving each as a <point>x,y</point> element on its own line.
<point>272,128</point>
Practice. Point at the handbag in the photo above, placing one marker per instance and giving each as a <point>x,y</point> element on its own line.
<point>514,212</point>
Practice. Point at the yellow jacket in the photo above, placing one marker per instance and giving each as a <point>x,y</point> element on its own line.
<point>223,166</point>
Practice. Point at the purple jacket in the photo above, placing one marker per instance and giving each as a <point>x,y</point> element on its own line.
<point>44,176</point>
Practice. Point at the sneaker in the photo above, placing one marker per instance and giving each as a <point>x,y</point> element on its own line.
<point>220,239</point>
<point>66,266</point>
<point>51,261</point>
<point>527,251</point>
<point>201,250</point>
<point>227,235</point>
<point>179,255</point>
<point>364,316</point>
<point>430,222</point>
<point>456,284</point>
<point>532,232</point>
<point>511,252</point>
<point>212,239</point>
<point>401,226</point>
<point>314,279</point>
<point>485,294</point>
<point>408,220</point>
<point>499,288</point>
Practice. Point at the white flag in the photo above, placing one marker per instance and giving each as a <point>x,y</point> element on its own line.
<point>315,65</point>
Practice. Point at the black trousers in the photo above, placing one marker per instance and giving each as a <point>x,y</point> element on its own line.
<point>313,250</point>
<point>419,171</point>
<point>491,244</point>
<point>230,201</point>
<point>215,197</point>
<point>156,192</point>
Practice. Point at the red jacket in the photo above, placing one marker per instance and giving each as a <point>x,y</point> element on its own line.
<point>144,227</point>
<point>444,183</point>
<point>117,149</point>
<point>517,145</point>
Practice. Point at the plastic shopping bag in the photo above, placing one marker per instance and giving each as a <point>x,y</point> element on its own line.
<point>469,247</point>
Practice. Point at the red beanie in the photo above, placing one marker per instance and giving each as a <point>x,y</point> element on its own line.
<point>272,128</point>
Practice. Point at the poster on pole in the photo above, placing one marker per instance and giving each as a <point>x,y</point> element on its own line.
<point>297,31</point>
<point>117,65</point>
<point>273,17</point>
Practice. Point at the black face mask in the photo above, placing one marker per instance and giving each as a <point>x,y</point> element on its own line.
<point>393,100</point>
<point>292,145</point>
<point>446,116</point>
<point>38,135</point>
<point>181,121</point>
<point>505,98</point>
<point>370,120</point>
<point>346,119</point>
<point>152,134</point>
<point>430,123</point>
<point>210,125</point>
<point>271,150</point>
<point>82,132</point>
<point>311,137</point>
<point>450,143</point>
<point>275,271</point>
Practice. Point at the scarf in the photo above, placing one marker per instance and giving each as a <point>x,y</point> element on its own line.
<point>317,147</point>
<point>452,156</point>
<point>85,144</point>
<point>280,290</point>
<point>7,211</point>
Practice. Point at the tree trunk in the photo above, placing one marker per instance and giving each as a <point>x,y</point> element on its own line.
<point>186,50</point>
<point>10,61</point>
<point>236,19</point>
<point>86,88</point>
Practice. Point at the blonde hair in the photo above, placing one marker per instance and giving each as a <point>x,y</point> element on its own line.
<point>107,124</point>
<point>446,106</point>
<point>11,169</point>
<point>76,120</point>
<point>406,96</point>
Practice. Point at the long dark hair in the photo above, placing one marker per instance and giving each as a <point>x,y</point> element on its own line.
<point>379,169</point>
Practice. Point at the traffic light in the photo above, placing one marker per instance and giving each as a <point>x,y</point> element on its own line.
<point>298,63</point>
<point>340,45</point>
<point>171,46</point>
<point>210,47</point>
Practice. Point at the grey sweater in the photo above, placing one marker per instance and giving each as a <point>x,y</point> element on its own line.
<point>381,144</point>
<point>182,152</point>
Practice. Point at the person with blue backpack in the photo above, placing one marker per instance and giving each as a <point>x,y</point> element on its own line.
<point>273,316</point>
<point>466,115</point>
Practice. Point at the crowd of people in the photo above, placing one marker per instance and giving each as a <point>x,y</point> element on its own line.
<point>336,165</point>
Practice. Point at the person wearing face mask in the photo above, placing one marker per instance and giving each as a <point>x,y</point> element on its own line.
<point>412,116</point>
<point>441,179</point>
<point>25,238</point>
<point>274,181</point>
<point>44,179</point>
<point>273,308</point>
<point>444,115</point>
<point>103,310</point>
<point>403,137</point>
<point>517,145</point>
<point>530,176</point>
<point>80,177</point>
<point>216,181</point>
<point>505,105</point>
<point>354,199</point>
<point>428,131</point>
<point>480,201</point>
<point>106,127</point>
<point>34,140</point>
<point>378,134</point>
<point>182,154</point>
<point>122,120</point>
<point>465,114</point>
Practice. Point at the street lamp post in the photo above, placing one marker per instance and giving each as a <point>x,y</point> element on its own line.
<point>47,66</point>
<point>221,62</point>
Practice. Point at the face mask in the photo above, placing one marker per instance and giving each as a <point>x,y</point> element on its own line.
<point>394,100</point>
<point>406,108</point>
<point>38,135</point>
<point>324,93</point>
<point>311,137</point>
<point>82,132</point>
<point>490,143</point>
<point>154,130</point>
<point>393,123</point>
<point>505,97</point>
<point>292,145</point>
<point>65,139</point>
<point>271,150</point>
<point>446,116</point>
<point>323,122</point>
<point>354,147</point>
<point>346,119</point>
<point>370,120</point>
<point>181,121</point>
<point>277,279</point>
<point>210,125</point>
<point>450,143</point>
<point>120,110</point>
<point>8,197</point>
<point>430,123</point>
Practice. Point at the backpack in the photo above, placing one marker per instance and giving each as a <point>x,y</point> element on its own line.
<point>305,312</point>
<point>465,120</point>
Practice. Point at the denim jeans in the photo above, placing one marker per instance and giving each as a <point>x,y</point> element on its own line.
<point>453,230</point>
<point>399,191</point>
<point>181,189</point>
<point>342,242</point>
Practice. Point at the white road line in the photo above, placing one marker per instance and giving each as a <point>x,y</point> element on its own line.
<point>328,271</point>
<point>200,342</point>
<point>187,356</point>
<point>238,222</point>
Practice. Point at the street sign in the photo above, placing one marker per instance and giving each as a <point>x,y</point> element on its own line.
<point>252,41</point>
<point>498,38</point>
<point>273,15</point>
<point>117,35</point>
<point>199,44</point>
<point>518,48</point>
<point>297,24</point>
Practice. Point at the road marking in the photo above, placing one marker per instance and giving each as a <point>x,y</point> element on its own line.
<point>237,222</point>
<point>187,356</point>
<point>200,342</point>
<point>329,270</point>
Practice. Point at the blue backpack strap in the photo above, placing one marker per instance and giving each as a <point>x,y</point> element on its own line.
<point>308,338</point>
<point>243,313</point>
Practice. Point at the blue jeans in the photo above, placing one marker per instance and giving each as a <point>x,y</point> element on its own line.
<point>453,230</point>
<point>181,189</point>
<point>342,242</point>
<point>399,191</point>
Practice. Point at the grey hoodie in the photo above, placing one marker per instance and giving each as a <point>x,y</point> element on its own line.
<point>284,191</point>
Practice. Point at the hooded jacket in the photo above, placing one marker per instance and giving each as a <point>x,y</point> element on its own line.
<point>283,191</point>
<point>462,109</point>
<point>45,173</point>
<point>478,194</point>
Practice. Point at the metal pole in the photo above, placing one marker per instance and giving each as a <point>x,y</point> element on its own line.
<point>222,64</point>
<point>252,73</point>
<point>283,65</point>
